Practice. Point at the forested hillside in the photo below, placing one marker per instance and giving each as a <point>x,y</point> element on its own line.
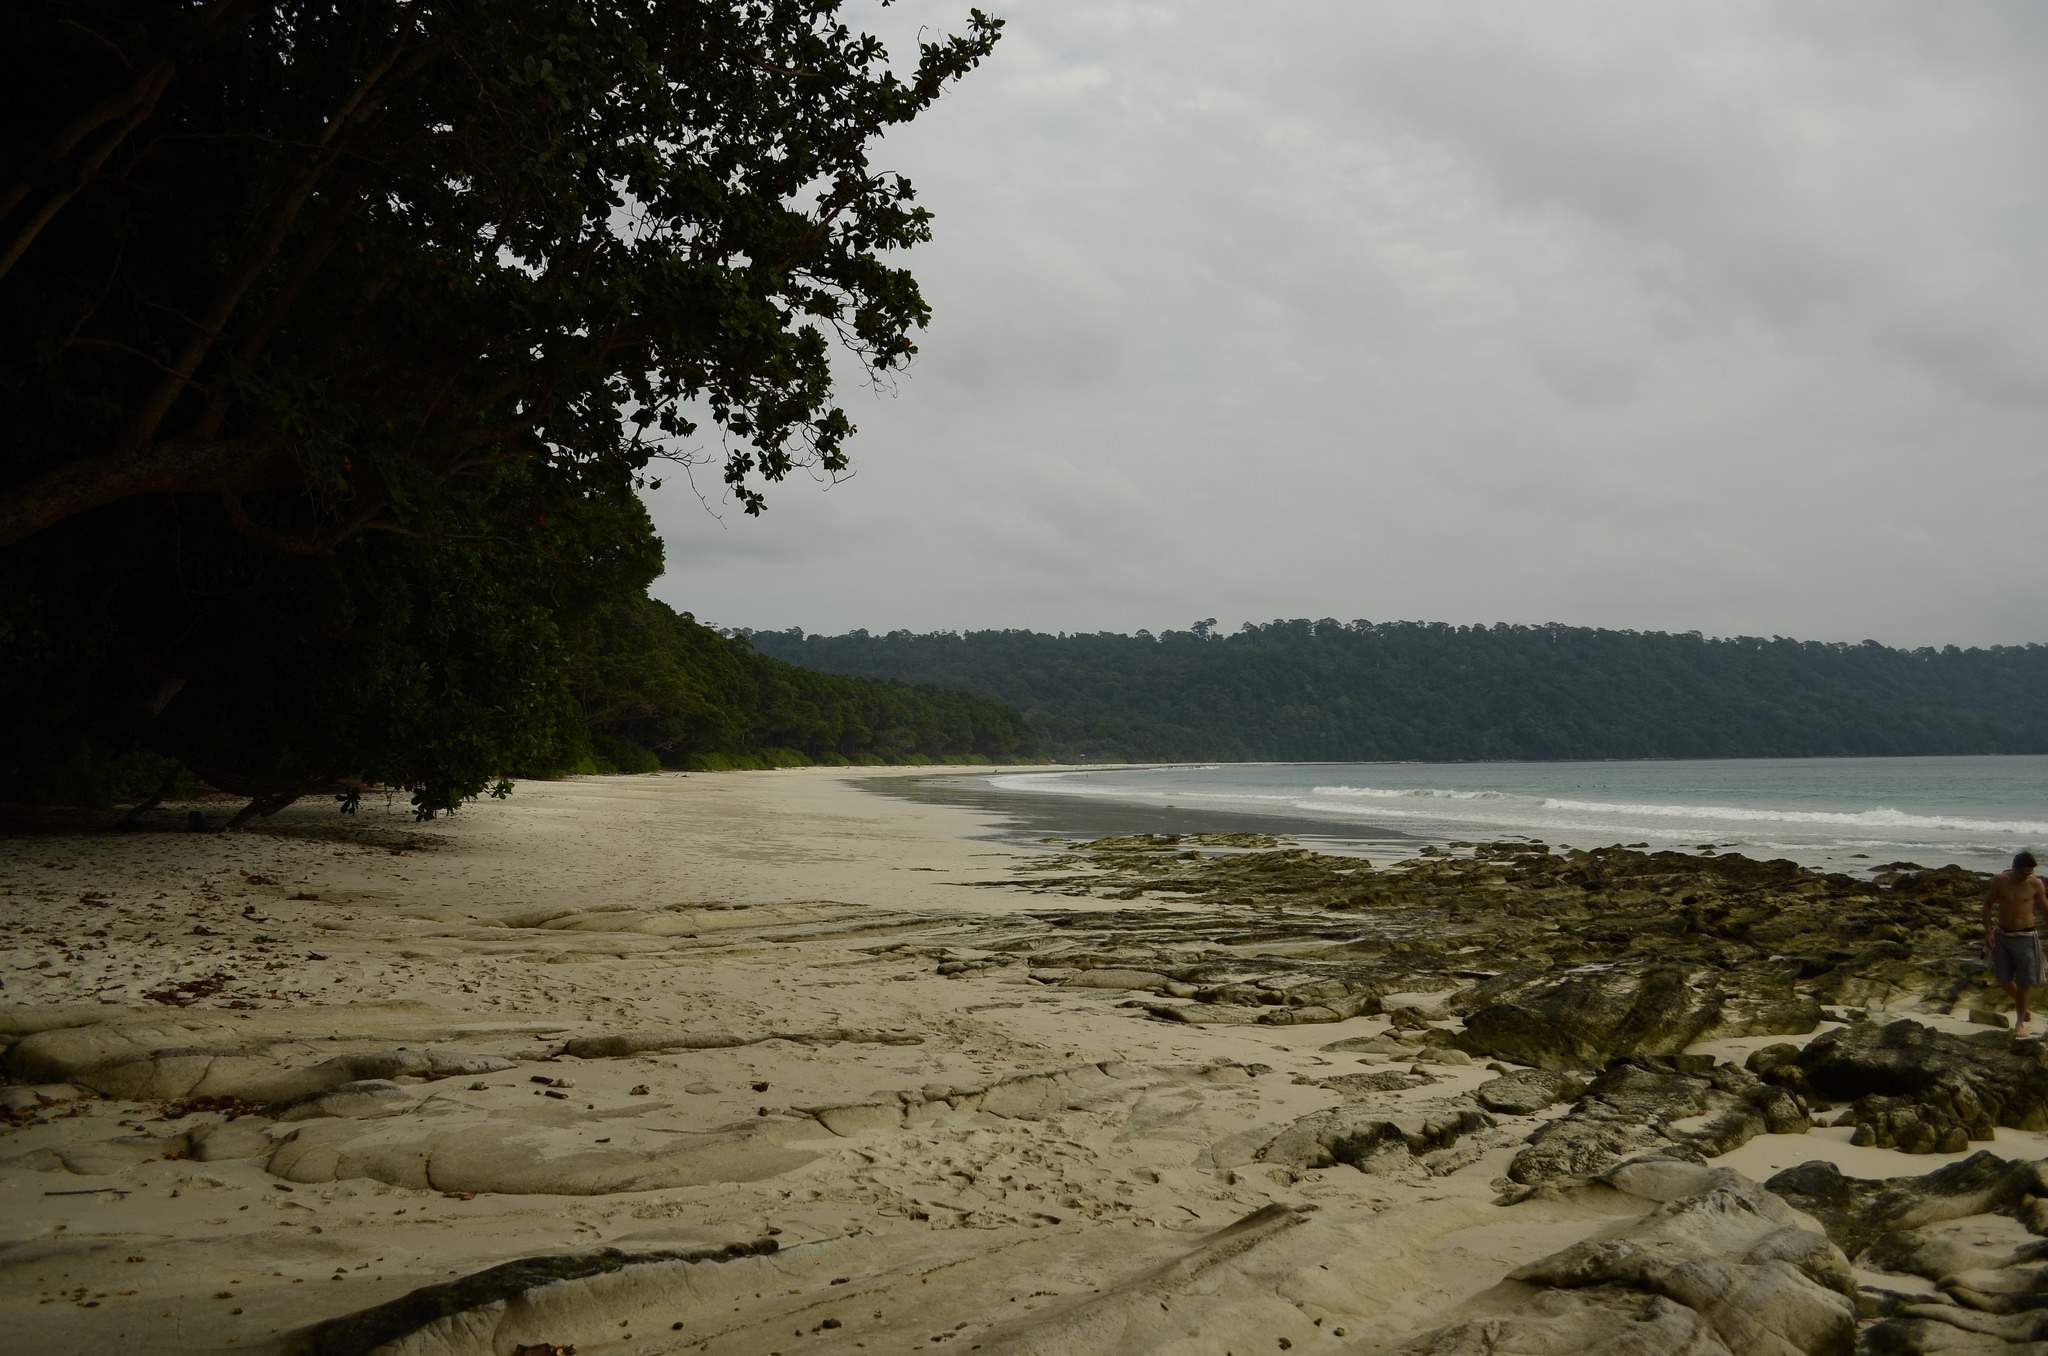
<point>1328,690</point>
<point>656,688</point>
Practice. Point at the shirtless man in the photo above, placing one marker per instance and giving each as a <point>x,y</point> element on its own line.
<point>2010,938</point>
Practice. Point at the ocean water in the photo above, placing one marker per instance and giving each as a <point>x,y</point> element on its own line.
<point>1838,813</point>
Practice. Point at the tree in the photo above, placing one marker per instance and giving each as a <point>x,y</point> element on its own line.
<point>336,338</point>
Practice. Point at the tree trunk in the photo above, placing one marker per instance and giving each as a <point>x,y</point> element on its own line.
<point>133,816</point>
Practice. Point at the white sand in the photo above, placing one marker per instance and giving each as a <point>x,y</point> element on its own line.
<point>749,903</point>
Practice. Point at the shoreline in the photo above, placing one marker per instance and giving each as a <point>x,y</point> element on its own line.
<point>1972,812</point>
<point>1025,818</point>
<point>672,1013</point>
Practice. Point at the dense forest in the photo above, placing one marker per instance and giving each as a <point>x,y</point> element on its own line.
<point>656,689</point>
<point>1329,690</point>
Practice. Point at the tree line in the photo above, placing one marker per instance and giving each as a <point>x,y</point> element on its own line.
<point>1328,690</point>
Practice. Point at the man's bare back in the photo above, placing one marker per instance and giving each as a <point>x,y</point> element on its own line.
<point>2014,894</point>
<point>2012,946</point>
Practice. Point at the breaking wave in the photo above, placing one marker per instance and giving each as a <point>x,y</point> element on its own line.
<point>1416,792</point>
<point>1882,817</point>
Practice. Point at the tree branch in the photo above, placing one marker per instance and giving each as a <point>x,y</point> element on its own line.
<point>153,87</point>
<point>129,349</point>
<point>92,119</point>
<point>162,468</point>
<point>238,518</point>
<point>163,789</point>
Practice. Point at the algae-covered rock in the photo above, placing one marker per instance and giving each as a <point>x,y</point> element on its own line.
<point>1366,1086</point>
<point>1925,1091</point>
<point>1594,1014</point>
<point>1371,1045</point>
<point>1932,1257</point>
<point>1990,1296</point>
<point>1557,959</point>
<point>1636,1105</point>
<point>1587,1018</point>
<point>1622,1112</point>
<point>618,1045</point>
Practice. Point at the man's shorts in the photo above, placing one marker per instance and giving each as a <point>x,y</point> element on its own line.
<point>2016,957</point>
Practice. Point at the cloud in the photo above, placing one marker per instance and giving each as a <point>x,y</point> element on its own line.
<point>1031,311</point>
<point>1714,174</point>
<point>1622,312</point>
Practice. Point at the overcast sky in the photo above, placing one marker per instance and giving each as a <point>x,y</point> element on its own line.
<point>1726,317</point>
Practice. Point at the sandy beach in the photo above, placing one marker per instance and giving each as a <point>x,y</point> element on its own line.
<point>327,1077</point>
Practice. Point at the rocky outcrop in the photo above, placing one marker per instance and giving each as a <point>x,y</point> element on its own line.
<point>1583,955</point>
<point>102,1158</point>
<point>1856,1212</point>
<point>1920,1090</point>
<point>1727,1268</point>
<point>1623,1112</point>
<point>1369,1141</point>
<point>1134,1315</point>
<point>1598,1013</point>
<point>1635,1106</point>
<point>1527,1091</point>
<point>1988,1297</point>
<point>1584,1019</point>
<point>1933,1258</point>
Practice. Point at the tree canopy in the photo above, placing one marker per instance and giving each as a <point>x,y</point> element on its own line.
<point>336,339</point>
<point>1329,690</point>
